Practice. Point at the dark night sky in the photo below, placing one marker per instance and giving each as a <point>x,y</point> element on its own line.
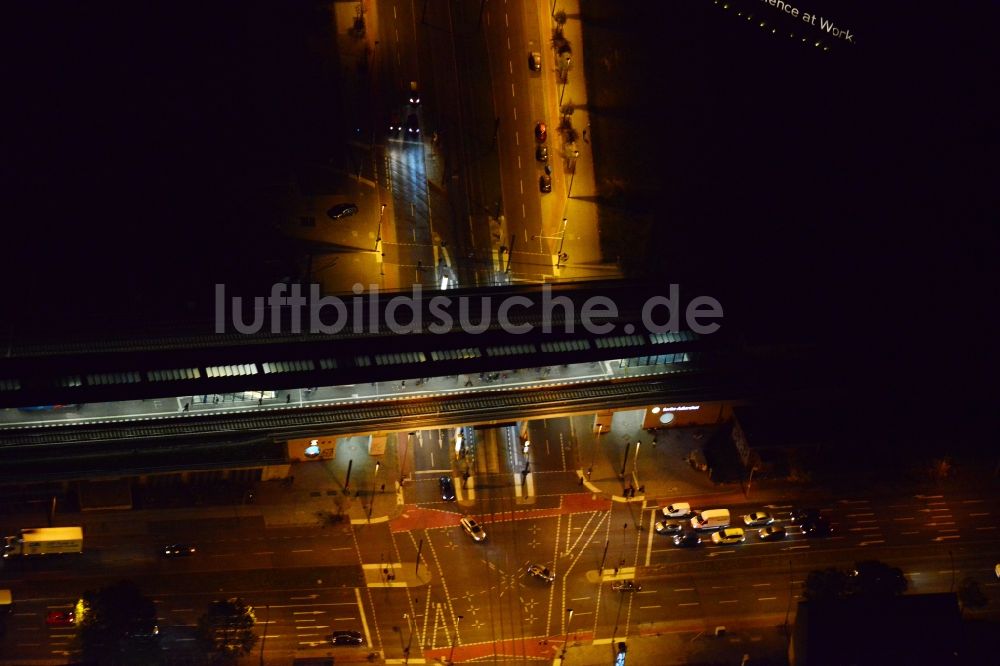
<point>822,193</point>
<point>138,139</point>
<point>836,191</point>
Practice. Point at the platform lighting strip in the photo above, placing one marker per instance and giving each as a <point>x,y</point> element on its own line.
<point>307,365</point>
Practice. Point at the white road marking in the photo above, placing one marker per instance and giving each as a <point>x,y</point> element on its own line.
<point>364,620</point>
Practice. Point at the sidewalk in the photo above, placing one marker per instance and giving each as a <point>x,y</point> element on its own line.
<point>662,469</point>
<point>758,645</point>
<point>580,241</point>
<point>312,495</point>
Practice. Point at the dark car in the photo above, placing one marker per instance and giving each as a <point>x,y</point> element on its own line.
<point>545,183</point>
<point>686,540</point>
<point>343,210</point>
<point>668,527</point>
<point>541,132</point>
<point>60,619</point>
<point>395,125</point>
<point>772,533</point>
<point>544,573</point>
<point>542,153</point>
<point>819,527</point>
<point>447,488</point>
<point>414,95</point>
<point>413,125</point>
<point>347,638</point>
<point>803,515</point>
<point>535,61</point>
<point>178,550</point>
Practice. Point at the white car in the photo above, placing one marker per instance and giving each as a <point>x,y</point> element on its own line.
<point>757,519</point>
<point>473,529</point>
<point>677,510</point>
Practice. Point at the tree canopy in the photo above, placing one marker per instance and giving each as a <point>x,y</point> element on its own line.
<point>225,631</point>
<point>118,626</point>
<point>870,579</point>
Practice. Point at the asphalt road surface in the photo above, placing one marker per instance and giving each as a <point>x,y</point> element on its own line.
<point>449,590</point>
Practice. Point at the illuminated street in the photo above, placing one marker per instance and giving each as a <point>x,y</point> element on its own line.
<point>499,332</point>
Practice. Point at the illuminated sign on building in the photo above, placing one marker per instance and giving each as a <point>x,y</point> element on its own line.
<point>683,408</point>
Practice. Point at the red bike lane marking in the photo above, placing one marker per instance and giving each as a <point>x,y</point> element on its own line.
<point>521,647</point>
<point>414,517</point>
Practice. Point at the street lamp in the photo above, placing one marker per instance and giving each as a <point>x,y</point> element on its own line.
<point>562,239</point>
<point>409,640</point>
<point>624,539</point>
<point>371,502</point>
<point>635,462</point>
<point>624,462</point>
<point>378,234</point>
<point>402,461</point>
<point>569,616</point>
<point>451,658</point>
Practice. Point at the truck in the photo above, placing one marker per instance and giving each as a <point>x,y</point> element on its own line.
<point>711,519</point>
<point>44,541</point>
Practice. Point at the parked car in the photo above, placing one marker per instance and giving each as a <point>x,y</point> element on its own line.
<point>668,527</point>
<point>538,571</point>
<point>772,533</point>
<point>65,618</point>
<point>686,539</point>
<point>542,153</point>
<point>144,632</point>
<point>729,535</point>
<point>803,515</point>
<point>347,638</point>
<point>819,527</point>
<point>626,586</point>
<point>757,519</point>
<point>541,132</point>
<point>340,211</point>
<point>677,510</point>
<point>535,61</point>
<point>447,488</point>
<point>545,183</point>
<point>473,529</point>
<point>178,550</point>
